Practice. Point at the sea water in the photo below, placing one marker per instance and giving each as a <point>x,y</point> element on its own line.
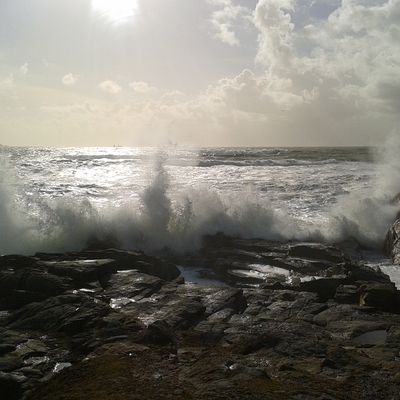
<point>158,198</point>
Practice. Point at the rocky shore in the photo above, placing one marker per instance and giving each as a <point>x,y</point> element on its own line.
<point>241,319</point>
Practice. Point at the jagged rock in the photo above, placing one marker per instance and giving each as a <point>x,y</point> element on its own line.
<point>392,242</point>
<point>299,335</point>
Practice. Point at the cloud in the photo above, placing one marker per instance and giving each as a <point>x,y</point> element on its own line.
<point>70,79</point>
<point>143,88</point>
<point>225,18</point>
<point>24,69</point>
<point>110,87</point>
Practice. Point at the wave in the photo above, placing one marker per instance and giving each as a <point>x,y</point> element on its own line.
<point>163,219</point>
<point>266,162</point>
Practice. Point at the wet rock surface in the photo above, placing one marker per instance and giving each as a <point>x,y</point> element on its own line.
<point>392,242</point>
<point>268,321</point>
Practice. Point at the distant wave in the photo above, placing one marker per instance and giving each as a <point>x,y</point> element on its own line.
<point>260,162</point>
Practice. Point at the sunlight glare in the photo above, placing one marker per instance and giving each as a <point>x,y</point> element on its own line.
<point>115,9</point>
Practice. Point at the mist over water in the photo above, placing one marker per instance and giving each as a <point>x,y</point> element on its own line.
<point>148,199</point>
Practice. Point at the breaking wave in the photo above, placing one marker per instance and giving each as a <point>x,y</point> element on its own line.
<point>163,219</point>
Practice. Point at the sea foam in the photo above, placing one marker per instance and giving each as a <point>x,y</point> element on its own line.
<point>165,218</point>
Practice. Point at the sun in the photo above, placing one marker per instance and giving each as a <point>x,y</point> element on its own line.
<point>115,10</point>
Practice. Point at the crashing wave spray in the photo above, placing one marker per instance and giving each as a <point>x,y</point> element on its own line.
<point>366,216</point>
<point>166,219</point>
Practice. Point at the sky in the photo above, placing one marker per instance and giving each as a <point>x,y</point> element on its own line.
<point>199,72</point>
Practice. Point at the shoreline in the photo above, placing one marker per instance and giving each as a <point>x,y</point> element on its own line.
<point>312,323</point>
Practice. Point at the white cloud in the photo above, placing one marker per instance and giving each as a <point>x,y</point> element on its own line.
<point>70,79</point>
<point>225,18</point>
<point>110,87</point>
<point>24,69</point>
<point>143,88</point>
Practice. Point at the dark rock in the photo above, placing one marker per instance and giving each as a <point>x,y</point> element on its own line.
<point>315,251</point>
<point>252,344</point>
<point>69,314</point>
<point>132,285</point>
<point>11,386</point>
<point>6,348</point>
<point>83,271</point>
<point>132,260</point>
<point>159,333</point>
<point>364,273</point>
<point>17,287</point>
<point>324,287</point>
<point>382,296</point>
<point>347,294</point>
<point>16,262</point>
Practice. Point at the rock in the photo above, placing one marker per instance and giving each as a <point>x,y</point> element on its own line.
<point>16,262</point>
<point>11,386</point>
<point>144,334</point>
<point>69,314</point>
<point>347,294</point>
<point>325,287</point>
<point>132,285</point>
<point>6,348</point>
<point>83,271</point>
<point>382,296</point>
<point>159,333</point>
<point>22,286</point>
<point>392,242</point>
<point>126,260</point>
<point>315,251</point>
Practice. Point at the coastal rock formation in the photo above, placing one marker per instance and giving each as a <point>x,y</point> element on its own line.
<point>392,242</point>
<point>247,319</point>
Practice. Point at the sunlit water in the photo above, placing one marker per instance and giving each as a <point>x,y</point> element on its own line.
<point>152,199</point>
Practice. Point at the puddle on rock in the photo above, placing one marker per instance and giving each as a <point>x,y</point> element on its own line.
<point>120,302</point>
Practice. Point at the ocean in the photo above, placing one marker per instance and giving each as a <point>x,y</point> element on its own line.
<point>154,199</point>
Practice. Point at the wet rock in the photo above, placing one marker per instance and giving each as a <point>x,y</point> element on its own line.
<point>392,242</point>
<point>347,294</point>
<point>325,287</point>
<point>299,334</point>
<point>132,260</point>
<point>382,296</point>
<point>132,285</point>
<point>315,251</point>
<point>22,286</point>
<point>82,271</point>
<point>69,314</point>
